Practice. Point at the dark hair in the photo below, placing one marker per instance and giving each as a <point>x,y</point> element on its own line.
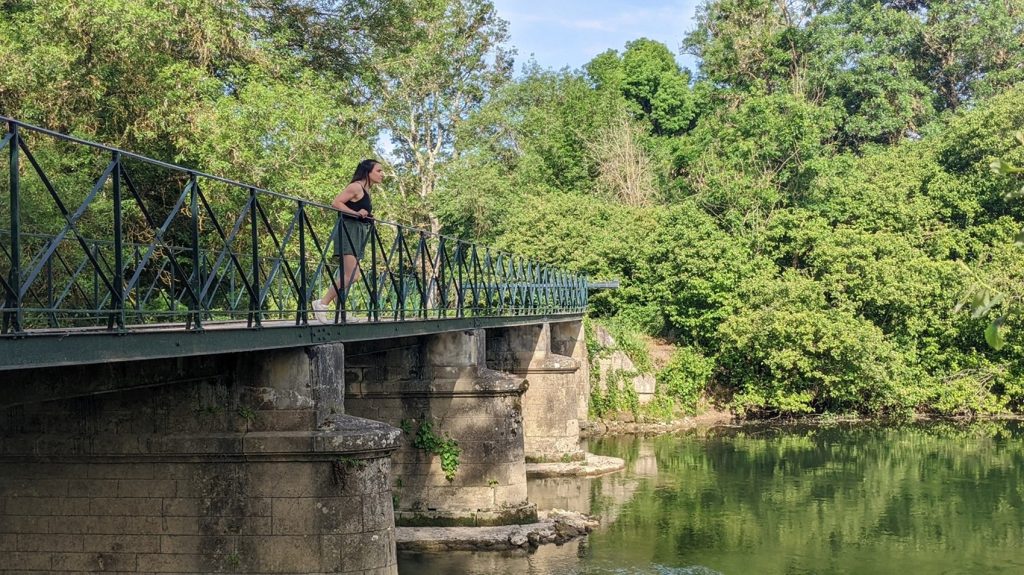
<point>363,170</point>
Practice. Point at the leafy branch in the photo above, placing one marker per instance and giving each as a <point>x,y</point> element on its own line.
<point>986,298</point>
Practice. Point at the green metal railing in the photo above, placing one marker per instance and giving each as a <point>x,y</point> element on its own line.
<point>145,243</point>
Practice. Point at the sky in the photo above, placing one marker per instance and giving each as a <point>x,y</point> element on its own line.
<point>569,33</point>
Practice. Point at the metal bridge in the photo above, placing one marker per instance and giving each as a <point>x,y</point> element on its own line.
<point>106,255</point>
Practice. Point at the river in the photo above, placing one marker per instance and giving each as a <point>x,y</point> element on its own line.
<point>860,499</point>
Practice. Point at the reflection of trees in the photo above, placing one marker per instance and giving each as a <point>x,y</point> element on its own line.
<point>851,499</point>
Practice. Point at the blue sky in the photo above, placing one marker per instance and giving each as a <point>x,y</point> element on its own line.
<point>560,33</point>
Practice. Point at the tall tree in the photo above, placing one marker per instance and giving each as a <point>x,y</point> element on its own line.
<point>453,60</point>
<point>339,37</point>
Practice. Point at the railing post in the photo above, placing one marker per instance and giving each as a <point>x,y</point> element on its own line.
<point>442,287</point>
<point>459,296</point>
<point>423,274</point>
<point>254,296</point>
<point>12,302</point>
<point>195,320</point>
<point>136,262</point>
<point>400,299</point>
<point>96,277</point>
<point>49,293</point>
<point>476,272</point>
<point>118,296</point>
<point>303,317</point>
<point>375,283</point>
<point>340,289</point>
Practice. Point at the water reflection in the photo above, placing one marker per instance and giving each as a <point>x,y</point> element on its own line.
<point>546,560</point>
<point>937,498</point>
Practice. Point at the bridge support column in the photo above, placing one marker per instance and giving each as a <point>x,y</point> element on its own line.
<point>241,464</point>
<point>568,339</point>
<point>551,405</point>
<point>437,388</point>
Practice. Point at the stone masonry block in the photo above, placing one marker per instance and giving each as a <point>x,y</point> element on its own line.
<point>197,544</point>
<point>378,513</point>
<point>49,542</point>
<point>289,554</point>
<point>59,506</point>
<point>125,562</point>
<point>92,487</point>
<point>139,506</point>
<point>33,488</point>
<point>326,515</point>
<point>235,525</point>
<point>463,498</point>
<point>25,524</point>
<point>146,488</point>
<point>121,543</point>
<point>23,562</point>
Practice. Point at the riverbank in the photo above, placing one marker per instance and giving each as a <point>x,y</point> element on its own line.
<point>708,419</point>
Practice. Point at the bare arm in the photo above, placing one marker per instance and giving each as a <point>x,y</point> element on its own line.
<point>351,192</point>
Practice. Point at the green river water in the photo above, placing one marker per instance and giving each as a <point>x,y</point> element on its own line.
<point>935,498</point>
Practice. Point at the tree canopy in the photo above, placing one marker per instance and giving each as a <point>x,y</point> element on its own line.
<point>800,215</point>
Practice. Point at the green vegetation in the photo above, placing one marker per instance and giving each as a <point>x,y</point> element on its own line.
<point>444,447</point>
<point>800,216</point>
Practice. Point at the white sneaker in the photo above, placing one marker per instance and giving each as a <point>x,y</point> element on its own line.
<point>321,311</point>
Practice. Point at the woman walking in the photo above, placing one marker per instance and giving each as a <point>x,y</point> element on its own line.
<point>357,210</point>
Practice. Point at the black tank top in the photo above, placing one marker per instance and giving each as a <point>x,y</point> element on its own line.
<point>363,203</point>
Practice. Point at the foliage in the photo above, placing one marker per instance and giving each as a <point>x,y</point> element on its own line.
<point>789,352</point>
<point>444,447</point>
<point>615,396</point>
<point>453,60</point>
<point>800,215</point>
<point>685,378</point>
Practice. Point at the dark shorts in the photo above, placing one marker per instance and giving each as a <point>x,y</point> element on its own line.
<point>354,236</point>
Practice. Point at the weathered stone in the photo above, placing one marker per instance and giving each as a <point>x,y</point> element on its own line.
<point>448,388</point>
<point>551,404</point>
<point>245,471</point>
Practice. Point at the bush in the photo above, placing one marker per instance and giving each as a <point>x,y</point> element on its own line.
<point>685,378</point>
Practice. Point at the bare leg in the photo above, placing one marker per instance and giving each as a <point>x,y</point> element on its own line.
<point>348,274</point>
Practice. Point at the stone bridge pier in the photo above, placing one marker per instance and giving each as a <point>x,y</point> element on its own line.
<point>557,394</point>
<point>437,389</point>
<point>231,463</point>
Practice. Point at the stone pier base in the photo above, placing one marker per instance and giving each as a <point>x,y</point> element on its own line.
<point>223,464</point>
<point>436,389</point>
<point>551,406</point>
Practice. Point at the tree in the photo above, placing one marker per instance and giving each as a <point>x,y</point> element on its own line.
<point>650,82</point>
<point>455,58</point>
<point>337,37</point>
<point>969,48</point>
<point>624,168</point>
<point>752,43</point>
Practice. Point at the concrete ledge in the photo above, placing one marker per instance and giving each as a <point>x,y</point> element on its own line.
<point>556,526</point>
<point>506,516</point>
<point>339,434</point>
<point>593,465</point>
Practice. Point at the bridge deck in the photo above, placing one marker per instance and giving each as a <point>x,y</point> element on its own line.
<point>65,347</point>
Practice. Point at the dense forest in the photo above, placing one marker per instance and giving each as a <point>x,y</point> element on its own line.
<point>811,217</point>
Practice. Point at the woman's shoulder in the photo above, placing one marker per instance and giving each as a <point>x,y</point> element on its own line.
<point>353,190</point>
